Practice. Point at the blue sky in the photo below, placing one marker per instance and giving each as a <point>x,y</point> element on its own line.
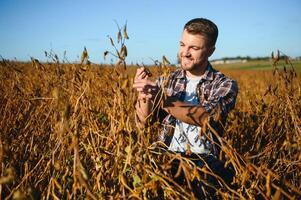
<point>246,28</point>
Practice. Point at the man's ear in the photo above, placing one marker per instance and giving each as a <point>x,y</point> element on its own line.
<point>210,51</point>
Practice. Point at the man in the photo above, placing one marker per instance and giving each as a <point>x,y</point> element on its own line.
<point>193,95</point>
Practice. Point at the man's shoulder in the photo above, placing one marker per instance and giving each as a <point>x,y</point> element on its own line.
<point>218,76</point>
<point>224,82</point>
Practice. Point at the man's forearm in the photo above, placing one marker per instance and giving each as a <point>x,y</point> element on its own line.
<point>143,110</point>
<point>188,113</point>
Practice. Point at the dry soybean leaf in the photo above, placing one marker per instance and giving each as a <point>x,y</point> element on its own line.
<point>125,35</point>
<point>124,84</point>
<point>124,51</point>
<point>105,54</point>
<point>165,61</point>
<point>119,37</point>
<point>112,42</point>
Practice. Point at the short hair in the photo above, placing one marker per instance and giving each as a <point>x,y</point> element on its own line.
<point>204,27</point>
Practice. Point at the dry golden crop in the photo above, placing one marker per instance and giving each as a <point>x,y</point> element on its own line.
<point>67,131</point>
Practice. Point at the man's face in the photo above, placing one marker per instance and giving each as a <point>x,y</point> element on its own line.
<point>194,53</point>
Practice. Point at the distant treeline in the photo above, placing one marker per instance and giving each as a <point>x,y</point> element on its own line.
<point>243,58</point>
<point>249,58</point>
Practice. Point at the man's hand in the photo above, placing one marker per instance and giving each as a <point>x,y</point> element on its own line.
<point>146,88</point>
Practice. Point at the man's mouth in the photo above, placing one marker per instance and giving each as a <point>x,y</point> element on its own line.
<point>186,60</point>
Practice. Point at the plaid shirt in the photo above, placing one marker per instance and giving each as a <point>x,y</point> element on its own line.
<point>214,90</point>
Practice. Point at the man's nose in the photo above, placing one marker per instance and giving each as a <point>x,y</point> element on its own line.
<point>186,52</point>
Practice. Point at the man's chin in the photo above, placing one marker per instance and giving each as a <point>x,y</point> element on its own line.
<point>185,66</point>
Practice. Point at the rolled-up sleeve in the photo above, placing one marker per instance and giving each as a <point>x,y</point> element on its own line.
<point>222,97</point>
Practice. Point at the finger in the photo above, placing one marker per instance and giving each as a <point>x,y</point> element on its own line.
<point>148,96</point>
<point>144,82</point>
<point>140,76</point>
<point>140,89</point>
<point>145,88</point>
<point>139,85</point>
<point>143,96</point>
<point>139,73</point>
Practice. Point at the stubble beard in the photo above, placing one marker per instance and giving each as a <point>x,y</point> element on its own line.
<point>190,66</point>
